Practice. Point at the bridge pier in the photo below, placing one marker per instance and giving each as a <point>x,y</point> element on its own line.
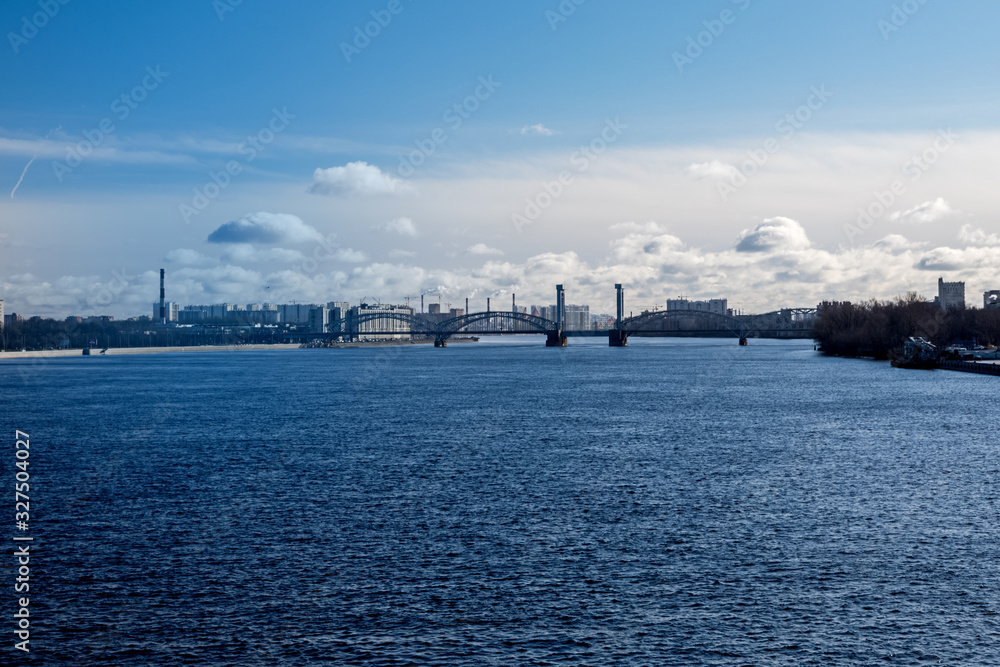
<point>555,339</point>
<point>440,342</point>
<point>617,338</point>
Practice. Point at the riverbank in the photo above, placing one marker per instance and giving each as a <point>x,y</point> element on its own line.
<point>30,354</point>
<point>144,350</point>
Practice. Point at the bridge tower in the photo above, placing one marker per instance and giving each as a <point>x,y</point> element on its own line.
<point>617,336</point>
<point>557,338</point>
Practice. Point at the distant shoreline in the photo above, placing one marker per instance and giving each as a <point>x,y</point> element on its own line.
<point>78,352</point>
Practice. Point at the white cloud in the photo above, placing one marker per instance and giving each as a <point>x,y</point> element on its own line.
<point>350,255</point>
<point>186,256</point>
<point>929,211</point>
<point>773,235</point>
<point>246,252</point>
<point>783,268</point>
<point>896,243</point>
<point>975,236</point>
<point>355,178</point>
<point>536,130</point>
<point>715,169</point>
<point>483,249</point>
<point>644,228</point>
<point>265,228</point>
<point>401,226</point>
<point>396,253</point>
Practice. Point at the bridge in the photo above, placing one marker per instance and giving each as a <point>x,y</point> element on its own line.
<point>784,323</point>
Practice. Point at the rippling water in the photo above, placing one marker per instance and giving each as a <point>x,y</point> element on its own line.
<point>678,502</point>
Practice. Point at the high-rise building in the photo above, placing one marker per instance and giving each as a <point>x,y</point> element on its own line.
<point>295,313</point>
<point>379,318</point>
<point>171,309</point>
<point>716,306</point>
<point>576,318</point>
<point>950,295</point>
<point>319,319</point>
<point>1,314</point>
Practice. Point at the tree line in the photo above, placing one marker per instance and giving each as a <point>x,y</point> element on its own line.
<point>878,328</point>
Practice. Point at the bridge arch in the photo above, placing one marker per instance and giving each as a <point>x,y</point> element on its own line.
<point>416,324</point>
<point>494,322</point>
<point>645,321</point>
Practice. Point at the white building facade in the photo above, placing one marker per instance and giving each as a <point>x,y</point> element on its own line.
<point>950,295</point>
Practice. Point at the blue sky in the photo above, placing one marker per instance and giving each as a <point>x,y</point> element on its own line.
<point>651,208</point>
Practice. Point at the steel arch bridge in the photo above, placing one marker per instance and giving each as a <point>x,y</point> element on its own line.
<point>495,322</point>
<point>783,323</point>
<point>778,323</point>
<point>487,323</point>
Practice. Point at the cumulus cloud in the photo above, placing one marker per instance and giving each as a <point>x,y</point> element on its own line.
<point>715,169</point>
<point>401,226</point>
<point>772,235</point>
<point>929,211</point>
<point>975,236</point>
<point>355,178</point>
<point>483,249</point>
<point>266,229</point>
<point>780,269</point>
<point>954,259</point>
<point>896,243</point>
<point>536,130</point>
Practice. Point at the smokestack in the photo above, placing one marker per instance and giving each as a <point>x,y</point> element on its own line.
<point>163,305</point>
<point>421,304</point>
<point>487,304</point>
<point>513,302</point>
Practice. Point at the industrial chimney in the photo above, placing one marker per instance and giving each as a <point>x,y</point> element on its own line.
<point>163,305</point>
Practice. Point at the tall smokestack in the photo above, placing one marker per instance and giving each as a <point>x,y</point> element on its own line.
<point>163,304</point>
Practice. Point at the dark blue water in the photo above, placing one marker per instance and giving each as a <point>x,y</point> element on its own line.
<point>678,502</point>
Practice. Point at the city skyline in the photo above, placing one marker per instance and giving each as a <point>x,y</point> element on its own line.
<point>351,175</point>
